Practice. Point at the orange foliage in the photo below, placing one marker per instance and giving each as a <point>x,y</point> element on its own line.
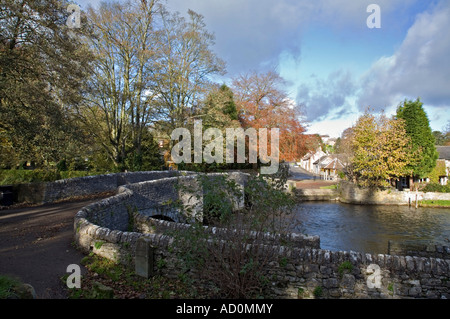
<point>261,103</point>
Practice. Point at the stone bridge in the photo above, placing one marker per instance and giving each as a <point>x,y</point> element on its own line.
<point>122,228</point>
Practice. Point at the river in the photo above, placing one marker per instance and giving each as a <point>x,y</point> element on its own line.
<point>368,229</point>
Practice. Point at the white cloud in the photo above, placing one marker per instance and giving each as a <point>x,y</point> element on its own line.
<point>419,68</point>
<point>251,34</point>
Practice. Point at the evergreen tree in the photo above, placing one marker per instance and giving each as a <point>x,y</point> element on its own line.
<point>418,128</point>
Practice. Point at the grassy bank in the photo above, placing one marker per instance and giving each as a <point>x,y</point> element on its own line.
<point>434,203</point>
<point>330,187</point>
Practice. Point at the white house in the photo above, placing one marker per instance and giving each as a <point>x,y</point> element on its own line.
<point>308,160</point>
<point>444,155</point>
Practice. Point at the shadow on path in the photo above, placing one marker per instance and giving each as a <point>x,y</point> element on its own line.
<point>36,245</point>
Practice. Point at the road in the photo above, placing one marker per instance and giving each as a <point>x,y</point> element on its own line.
<point>36,245</point>
<point>307,180</point>
<point>298,174</point>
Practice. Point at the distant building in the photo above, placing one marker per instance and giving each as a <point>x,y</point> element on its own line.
<point>307,162</point>
<point>329,166</point>
<point>444,156</point>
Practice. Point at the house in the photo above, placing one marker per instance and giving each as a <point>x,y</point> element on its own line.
<point>308,160</point>
<point>443,161</point>
<point>328,166</point>
<point>444,158</point>
<point>332,169</point>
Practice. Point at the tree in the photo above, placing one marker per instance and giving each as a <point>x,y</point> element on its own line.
<point>380,150</point>
<point>262,103</point>
<point>418,129</point>
<point>219,109</point>
<point>447,134</point>
<point>119,108</point>
<point>183,65</point>
<point>440,138</point>
<point>443,138</point>
<point>43,67</point>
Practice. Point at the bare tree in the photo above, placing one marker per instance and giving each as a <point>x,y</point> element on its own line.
<point>183,65</point>
<point>119,107</point>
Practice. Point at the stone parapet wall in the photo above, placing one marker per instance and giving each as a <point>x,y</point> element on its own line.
<point>400,276</point>
<point>430,250</point>
<point>41,193</point>
<point>148,225</point>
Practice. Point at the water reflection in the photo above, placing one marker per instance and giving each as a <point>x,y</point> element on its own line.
<point>369,228</point>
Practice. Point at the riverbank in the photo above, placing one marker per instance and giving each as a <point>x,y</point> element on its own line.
<point>348,193</point>
<point>435,203</point>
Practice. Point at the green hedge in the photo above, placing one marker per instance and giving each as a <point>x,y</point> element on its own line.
<point>19,176</point>
<point>436,188</point>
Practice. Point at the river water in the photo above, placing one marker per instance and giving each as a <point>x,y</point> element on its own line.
<point>368,229</point>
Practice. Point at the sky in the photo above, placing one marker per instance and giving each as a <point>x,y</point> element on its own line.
<point>334,65</point>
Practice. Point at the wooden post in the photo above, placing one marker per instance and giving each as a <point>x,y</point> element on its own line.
<point>417,198</point>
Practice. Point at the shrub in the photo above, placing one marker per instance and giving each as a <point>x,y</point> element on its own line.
<point>436,188</point>
<point>237,261</point>
<point>318,292</point>
<point>21,176</point>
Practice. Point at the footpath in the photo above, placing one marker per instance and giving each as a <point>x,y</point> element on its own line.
<point>36,245</point>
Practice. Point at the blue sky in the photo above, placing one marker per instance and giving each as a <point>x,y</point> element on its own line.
<point>334,65</point>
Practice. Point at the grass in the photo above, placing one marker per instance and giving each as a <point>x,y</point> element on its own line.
<point>330,187</point>
<point>120,282</point>
<point>8,285</point>
<point>434,203</point>
<point>14,288</point>
<point>345,267</point>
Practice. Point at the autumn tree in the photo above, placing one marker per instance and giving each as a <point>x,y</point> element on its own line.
<point>262,102</point>
<point>418,129</point>
<point>43,67</point>
<point>381,150</point>
<point>344,148</point>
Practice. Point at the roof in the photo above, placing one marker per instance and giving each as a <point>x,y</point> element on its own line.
<point>307,156</point>
<point>334,164</point>
<point>322,159</point>
<point>444,152</point>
